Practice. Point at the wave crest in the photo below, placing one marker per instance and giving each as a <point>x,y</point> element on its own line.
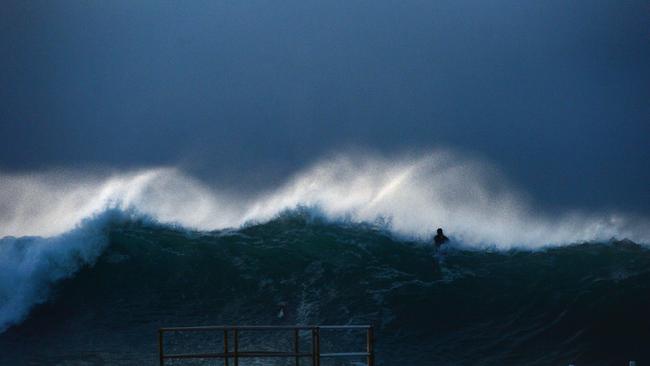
<point>469,198</point>
<point>30,265</point>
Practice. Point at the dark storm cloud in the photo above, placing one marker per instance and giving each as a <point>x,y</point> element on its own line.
<point>555,93</point>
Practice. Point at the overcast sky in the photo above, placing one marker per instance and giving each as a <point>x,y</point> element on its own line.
<point>555,93</point>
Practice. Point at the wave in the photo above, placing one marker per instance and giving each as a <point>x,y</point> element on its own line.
<point>583,303</point>
<point>55,224</point>
<point>30,265</point>
<point>412,195</point>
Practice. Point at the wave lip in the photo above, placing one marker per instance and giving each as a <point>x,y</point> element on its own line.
<point>415,195</point>
<point>30,265</point>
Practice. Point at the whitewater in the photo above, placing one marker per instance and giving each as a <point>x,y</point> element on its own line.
<point>416,195</point>
<point>55,225</point>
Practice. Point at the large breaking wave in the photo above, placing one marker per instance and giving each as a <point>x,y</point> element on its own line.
<point>413,196</point>
<point>53,224</point>
<point>582,304</point>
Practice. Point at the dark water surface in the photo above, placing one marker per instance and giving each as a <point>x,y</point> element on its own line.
<point>582,304</point>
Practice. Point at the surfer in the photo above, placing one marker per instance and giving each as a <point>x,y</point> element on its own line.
<point>440,238</point>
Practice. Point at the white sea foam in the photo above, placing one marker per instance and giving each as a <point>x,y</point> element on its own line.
<point>467,197</point>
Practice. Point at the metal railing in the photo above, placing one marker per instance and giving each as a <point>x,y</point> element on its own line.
<point>235,353</point>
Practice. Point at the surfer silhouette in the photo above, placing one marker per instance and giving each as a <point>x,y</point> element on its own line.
<point>440,238</point>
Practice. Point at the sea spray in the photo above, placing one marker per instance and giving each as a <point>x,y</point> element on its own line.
<point>416,194</point>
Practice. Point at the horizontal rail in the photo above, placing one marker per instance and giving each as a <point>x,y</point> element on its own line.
<point>343,327</point>
<point>261,327</point>
<point>345,354</point>
<point>239,354</point>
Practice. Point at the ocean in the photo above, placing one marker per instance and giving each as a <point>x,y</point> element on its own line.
<point>584,303</point>
<point>91,268</point>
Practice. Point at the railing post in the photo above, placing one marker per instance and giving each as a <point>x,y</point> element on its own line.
<point>160,347</point>
<point>317,346</point>
<point>370,348</point>
<point>236,335</point>
<point>225,346</point>
<point>313,346</point>
<point>315,351</point>
<point>296,345</point>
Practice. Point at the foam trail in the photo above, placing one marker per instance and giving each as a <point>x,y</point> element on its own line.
<point>467,197</point>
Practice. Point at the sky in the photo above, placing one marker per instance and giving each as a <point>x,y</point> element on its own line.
<point>243,93</point>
